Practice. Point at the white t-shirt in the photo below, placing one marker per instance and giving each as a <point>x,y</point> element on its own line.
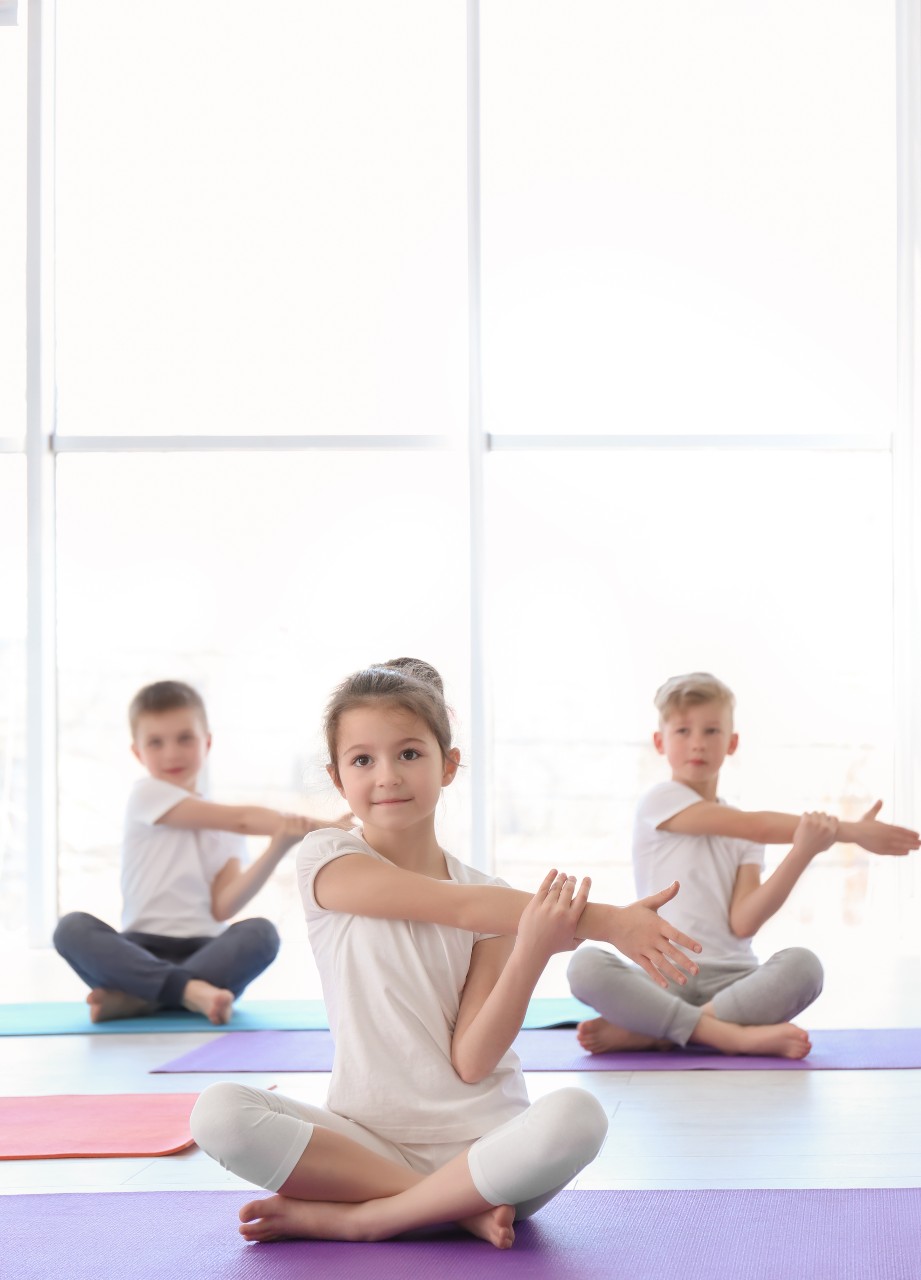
<point>167,872</point>
<point>392,990</point>
<point>705,865</point>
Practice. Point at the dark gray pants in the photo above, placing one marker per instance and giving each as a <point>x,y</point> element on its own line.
<point>750,994</point>
<point>157,968</point>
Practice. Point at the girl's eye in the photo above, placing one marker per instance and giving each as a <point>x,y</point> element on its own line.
<point>409,754</point>
<point>361,761</point>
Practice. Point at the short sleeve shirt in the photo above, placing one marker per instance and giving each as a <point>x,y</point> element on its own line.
<point>393,989</point>
<point>705,865</point>
<point>167,872</point>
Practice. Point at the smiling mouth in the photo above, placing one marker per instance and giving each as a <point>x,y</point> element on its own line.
<point>390,802</point>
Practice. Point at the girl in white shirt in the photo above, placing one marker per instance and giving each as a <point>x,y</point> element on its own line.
<point>427,969</point>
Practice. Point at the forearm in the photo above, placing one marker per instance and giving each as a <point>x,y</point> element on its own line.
<point>748,914</point>
<point>495,909</point>
<point>478,1049</point>
<point>234,896</point>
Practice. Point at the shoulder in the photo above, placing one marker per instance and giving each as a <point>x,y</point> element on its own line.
<point>328,842</point>
<point>664,800</point>
<point>320,848</point>
<point>463,873</point>
<point>150,798</point>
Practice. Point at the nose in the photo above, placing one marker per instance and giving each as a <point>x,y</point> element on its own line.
<point>388,775</point>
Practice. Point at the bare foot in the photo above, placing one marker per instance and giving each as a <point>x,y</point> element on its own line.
<point>283,1218</point>
<point>779,1040</point>
<point>106,1005</point>
<point>216,1003</point>
<point>493,1225</point>
<point>597,1035</point>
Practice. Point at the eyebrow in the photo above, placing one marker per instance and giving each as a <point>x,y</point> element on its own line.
<point>362,746</point>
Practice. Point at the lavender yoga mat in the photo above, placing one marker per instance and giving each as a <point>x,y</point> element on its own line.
<point>558,1050</point>
<point>863,1234</point>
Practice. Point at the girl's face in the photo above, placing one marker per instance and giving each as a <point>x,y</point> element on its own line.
<point>390,766</point>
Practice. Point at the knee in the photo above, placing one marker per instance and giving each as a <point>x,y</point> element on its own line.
<point>217,1120</point>
<point>809,969</point>
<point>264,936</point>
<point>573,1125</point>
<point>806,965</point>
<point>70,929</point>
<point>585,968</point>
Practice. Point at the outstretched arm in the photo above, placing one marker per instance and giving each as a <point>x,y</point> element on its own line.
<point>233,887</point>
<point>708,818</point>
<point>362,886</point>
<point>503,975</point>
<point>196,814</point>
<point>753,902</point>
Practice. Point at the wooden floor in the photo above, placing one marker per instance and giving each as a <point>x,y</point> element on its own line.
<point>667,1129</point>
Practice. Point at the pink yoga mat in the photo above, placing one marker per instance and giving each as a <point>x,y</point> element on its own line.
<point>860,1234</point>
<point>71,1125</point>
<point>558,1050</point>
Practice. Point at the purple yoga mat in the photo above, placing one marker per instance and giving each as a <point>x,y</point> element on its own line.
<point>864,1234</point>
<point>558,1050</point>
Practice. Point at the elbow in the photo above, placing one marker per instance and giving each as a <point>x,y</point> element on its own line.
<point>741,928</point>
<point>466,1071</point>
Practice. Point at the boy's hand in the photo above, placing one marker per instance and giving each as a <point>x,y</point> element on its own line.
<point>879,837</point>
<point>549,921</point>
<point>815,833</point>
<point>643,936</point>
<point>345,822</point>
<point>291,830</point>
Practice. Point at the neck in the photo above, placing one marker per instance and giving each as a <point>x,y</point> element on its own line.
<point>414,849</point>
<point>707,789</point>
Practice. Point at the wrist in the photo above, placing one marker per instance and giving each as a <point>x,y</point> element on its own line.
<point>611,922</point>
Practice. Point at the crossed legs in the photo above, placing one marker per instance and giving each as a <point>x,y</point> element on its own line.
<point>137,973</point>
<point>736,1009</point>
<point>337,1180</point>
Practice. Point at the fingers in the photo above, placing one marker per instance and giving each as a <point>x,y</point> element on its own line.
<point>873,811</point>
<point>580,899</point>
<point>683,939</point>
<point>547,881</point>
<point>656,900</point>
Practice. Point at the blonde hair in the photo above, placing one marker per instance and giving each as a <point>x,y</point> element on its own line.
<point>165,695</point>
<point>692,690</point>
<point>407,683</point>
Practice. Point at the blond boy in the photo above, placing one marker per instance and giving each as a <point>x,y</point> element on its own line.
<point>684,832</point>
<point>182,878</point>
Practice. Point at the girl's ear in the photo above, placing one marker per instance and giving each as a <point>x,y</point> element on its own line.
<point>451,766</point>
<point>334,778</point>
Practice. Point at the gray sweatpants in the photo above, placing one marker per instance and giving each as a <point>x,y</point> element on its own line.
<point>749,994</point>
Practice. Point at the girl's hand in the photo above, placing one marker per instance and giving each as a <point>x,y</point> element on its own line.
<point>815,833</point>
<point>548,923</point>
<point>647,939</point>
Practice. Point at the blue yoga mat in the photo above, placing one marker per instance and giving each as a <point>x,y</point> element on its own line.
<point>72,1018</point>
<point>837,1234</point>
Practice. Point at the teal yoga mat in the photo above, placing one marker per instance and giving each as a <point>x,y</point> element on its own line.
<point>65,1018</point>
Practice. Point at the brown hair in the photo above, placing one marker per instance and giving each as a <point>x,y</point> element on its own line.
<point>692,690</point>
<point>408,683</point>
<point>165,695</point>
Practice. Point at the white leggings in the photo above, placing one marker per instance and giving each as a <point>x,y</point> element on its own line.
<point>260,1136</point>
